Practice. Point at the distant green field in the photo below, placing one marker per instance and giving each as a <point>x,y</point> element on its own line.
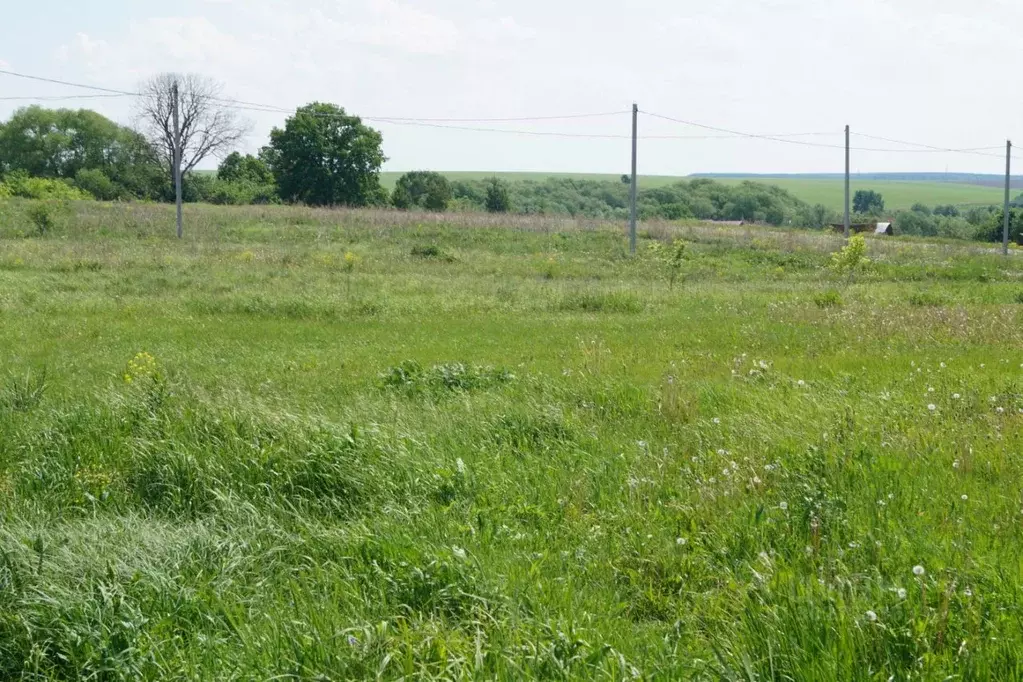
<point>897,195</point>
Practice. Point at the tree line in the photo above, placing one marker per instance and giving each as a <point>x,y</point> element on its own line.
<point>325,156</point>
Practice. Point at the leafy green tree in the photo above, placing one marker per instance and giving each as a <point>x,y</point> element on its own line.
<point>325,157</point>
<point>497,199</point>
<point>949,211</point>
<point>916,223</point>
<point>248,168</point>
<point>868,202</point>
<point>1018,201</point>
<point>422,189</point>
<point>59,143</point>
<point>921,208</point>
<point>996,226</point>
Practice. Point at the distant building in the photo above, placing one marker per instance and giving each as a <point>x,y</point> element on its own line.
<point>857,228</point>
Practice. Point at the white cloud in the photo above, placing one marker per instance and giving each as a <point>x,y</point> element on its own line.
<point>882,66</point>
<point>403,27</point>
<point>4,64</point>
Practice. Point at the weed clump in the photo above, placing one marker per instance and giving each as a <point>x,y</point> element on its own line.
<point>828,299</point>
<point>431,252</point>
<point>410,378</point>
<point>926,299</point>
<point>603,302</point>
<point>23,393</point>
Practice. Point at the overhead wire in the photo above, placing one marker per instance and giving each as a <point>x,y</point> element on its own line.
<point>67,83</point>
<point>57,98</point>
<point>778,138</point>
<point>449,123</point>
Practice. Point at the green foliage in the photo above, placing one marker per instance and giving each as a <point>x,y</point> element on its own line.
<point>852,257</point>
<point>828,299</point>
<point>61,143</point>
<point>410,378</point>
<point>994,230</point>
<point>325,157</point>
<point>816,217</point>
<point>20,184</point>
<point>675,493</point>
<point>671,258</point>
<point>614,302</point>
<point>868,202</point>
<point>926,299</point>
<point>423,190</point>
<point>236,168</point>
<point>496,197</point>
<point>96,183</point>
<point>922,209</point>
<point>23,393</point>
<point>948,210</point>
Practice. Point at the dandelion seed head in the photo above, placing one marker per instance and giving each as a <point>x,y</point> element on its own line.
<point>964,498</point>
<point>871,616</point>
<point>932,407</point>
<point>901,592</point>
<point>783,505</point>
<point>918,570</point>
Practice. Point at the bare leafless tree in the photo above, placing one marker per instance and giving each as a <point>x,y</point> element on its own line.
<point>208,126</point>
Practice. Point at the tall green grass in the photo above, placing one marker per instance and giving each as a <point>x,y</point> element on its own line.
<point>501,450</point>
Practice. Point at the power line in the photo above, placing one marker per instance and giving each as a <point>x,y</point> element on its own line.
<point>725,133</point>
<point>777,138</point>
<point>736,133</point>
<point>932,147</point>
<point>57,98</point>
<point>67,83</point>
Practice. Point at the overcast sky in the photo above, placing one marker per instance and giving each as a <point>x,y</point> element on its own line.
<point>939,72</point>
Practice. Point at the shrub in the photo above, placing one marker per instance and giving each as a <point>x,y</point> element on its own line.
<point>828,299</point>
<point>852,257</point>
<point>926,299</point>
<point>96,183</point>
<point>497,198</point>
<point>19,184</point>
<point>671,259</point>
<point>44,216</point>
<point>422,189</point>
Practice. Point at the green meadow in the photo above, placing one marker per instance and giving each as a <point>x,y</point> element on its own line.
<point>350,444</point>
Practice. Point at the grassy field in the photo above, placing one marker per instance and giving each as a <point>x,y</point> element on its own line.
<point>830,192</point>
<point>305,444</point>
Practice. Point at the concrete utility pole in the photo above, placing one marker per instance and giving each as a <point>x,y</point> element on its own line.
<point>633,187</point>
<point>177,157</point>
<point>846,182</point>
<point>1008,181</point>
